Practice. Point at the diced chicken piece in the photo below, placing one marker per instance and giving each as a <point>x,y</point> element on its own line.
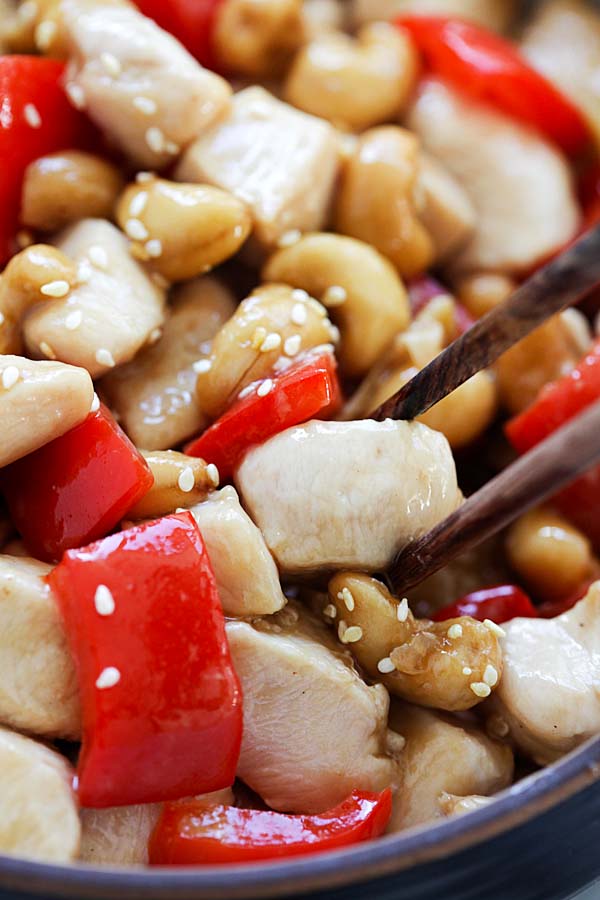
<point>446,210</point>
<point>313,730</point>
<point>549,697</point>
<point>246,573</point>
<point>563,42</point>
<point>38,688</point>
<point>105,319</point>
<point>278,160</point>
<point>155,394</point>
<point>443,755</point>
<point>137,82</point>
<point>496,14</point>
<point>520,186</point>
<point>38,810</point>
<point>317,492</point>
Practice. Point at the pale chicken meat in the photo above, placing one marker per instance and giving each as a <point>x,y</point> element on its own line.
<point>496,14</point>
<point>313,730</point>
<point>278,160</point>
<point>445,210</point>
<point>549,695</point>
<point>519,185</point>
<point>246,573</point>
<point>137,83</point>
<point>317,492</point>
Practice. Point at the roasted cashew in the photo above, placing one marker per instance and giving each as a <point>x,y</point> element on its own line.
<point>179,481</point>
<point>257,38</point>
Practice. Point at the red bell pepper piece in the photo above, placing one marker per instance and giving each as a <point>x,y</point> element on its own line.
<point>35,118</point>
<point>190,834</point>
<point>552,608</point>
<point>299,393</point>
<point>161,703</point>
<point>424,289</point>
<point>190,21</point>
<point>76,488</point>
<point>491,70</point>
<point>500,604</point>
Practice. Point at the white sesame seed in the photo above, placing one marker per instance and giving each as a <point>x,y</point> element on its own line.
<point>136,230</point>
<point>75,94</point>
<point>334,296</point>
<point>172,147</point>
<point>145,105</point>
<point>47,350</point>
<point>455,631</point>
<point>201,366</point>
<point>111,63</point>
<point>74,320</point>
<point>490,676</point>
<point>480,689</point>
<point>291,345</point>
<point>155,139</point>
<point>104,357</point>
<point>27,11</point>
<point>342,626</point>
<point>32,116</point>
<point>138,203</point>
<point>330,611</point>
<point>186,480</point>
<point>143,177</point>
<point>334,333</point>
<point>249,389</point>
<point>352,634</point>
<point>154,248</point>
<point>45,33</point>
<point>10,376</point>
<point>108,678</point>
<point>104,601</point>
<point>213,474</point>
<point>154,336</point>
<point>265,387</point>
<point>57,288</point>
<point>271,342</point>
<point>346,595</point>
<point>299,314</point>
<point>84,271</point>
<point>494,628</point>
<point>467,670</point>
<point>402,611</point>
<point>317,308</point>
<point>95,403</point>
<point>386,666</point>
<point>289,238</point>
<point>258,337</point>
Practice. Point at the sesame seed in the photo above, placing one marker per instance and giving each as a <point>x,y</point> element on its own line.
<point>155,336</point>
<point>271,342</point>
<point>346,595</point>
<point>143,177</point>
<point>104,357</point>
<point>104,601</point>
<point>32,116</point>
<point>317,307</point>
<point>291,345</point>
<point>334,333</point>
<point>334,296</point>
<point>300,296</point>
<point>495,629</point>
<point>10,376</point>
<point>27,11</point>
<point>201,366</point>
<point>145,105</point>
<point>45,33</point>
<point>138,203</point>
<point>47,350</point>
<point>265,387</point>
<point>186,480</point>
<point>155,139</point>
<point>258,337</point>
<point>213,474</point>
<point>386,666</point>
<point>289,238</point>
<point>59,288</point>
<point>111,63</point>
<point>249,389</point>
<point>402,611</point>
<point>455,631</point>
<point>154,248</point>
<point>172,147</point>
<point>299,314</point>
<point>95,403</point>
<point>352,634</point>
<point>467,670</point>
<point>74,320</point>
<point>490,676</point>
<point>480,689</point>
<point>136,230</point>
<point>330,611</point>
<point>75,94</point>
<point>342,626</point>
<point>108,678</point>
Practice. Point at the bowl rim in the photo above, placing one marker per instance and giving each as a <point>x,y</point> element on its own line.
<point>530,797</point>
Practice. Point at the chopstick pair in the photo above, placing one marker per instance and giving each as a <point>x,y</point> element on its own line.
<point>538,474</point>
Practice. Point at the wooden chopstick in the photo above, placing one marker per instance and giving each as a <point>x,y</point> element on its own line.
<point>561,283</point>
<point>531,479</point>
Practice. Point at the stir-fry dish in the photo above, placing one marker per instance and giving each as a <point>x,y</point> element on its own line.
<point>229,231</point>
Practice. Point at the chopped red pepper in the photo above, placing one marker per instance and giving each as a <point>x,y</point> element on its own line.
<point>552,608</point>
<point>190,21</point>
<point>500,604</point>
<point>161,703</point>
<point>491,70</point>
<point>304,390</point>
<point>190,834</point>
<point>424,289</point>
<point>76,488</point>
<point>35,118</point>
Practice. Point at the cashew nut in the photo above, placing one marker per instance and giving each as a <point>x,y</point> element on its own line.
<point>366,298</point>
<point>257,38</point>
<point>179,481</point>
<point>449,665</point>
<point>482,292</point>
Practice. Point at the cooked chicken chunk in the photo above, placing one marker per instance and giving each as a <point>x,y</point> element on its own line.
<point>137,82</point>
<point>519,185</point>
<point>317,492</point>
<point>105,319</point>
<point>443,755</point>
<point>495,14</point>
<point>446,210</point>
<point>246,574</point>
<point>38,688</point>
<point>313,730</point>
<point>548,697</point>
<point>278,160</point>
<point>38,810</point>
<point>155,394</point>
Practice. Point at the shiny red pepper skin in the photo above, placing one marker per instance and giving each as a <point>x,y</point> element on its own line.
<point>500,604</point>
<point>190,21</point>
<point>191,835</point>
<point>36,81</point>
<point>301,392</point>
<point>490,69</point>
<point>171,726</point>
<point>76,488</point>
